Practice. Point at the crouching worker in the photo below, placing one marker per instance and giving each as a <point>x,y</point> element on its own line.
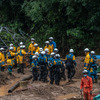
<point>10,65</point>
<point>86,85</point>
<point>43,68</point>
<point>34,68</point>
<point>2,59</point>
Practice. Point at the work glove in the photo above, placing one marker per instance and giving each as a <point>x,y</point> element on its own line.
<point>91,92</point>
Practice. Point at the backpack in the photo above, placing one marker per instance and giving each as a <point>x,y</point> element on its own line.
<point>69,61</point>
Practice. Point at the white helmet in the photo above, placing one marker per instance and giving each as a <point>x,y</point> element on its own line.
<point>21,47</point>
<point>36,53</point>
<point>32,39</point>
<point>34,57</point>
<point>71,51</point>
<point>43,53</point>
<point>36,45</point>
<point>57,55</point>
<point>24,46</point>
<point>85,71</point>
<point>52,54</point>
<point>21,43</point>
<point>55,50</point>
<point>50,38</point>
<point>86,50</point>
<point>11,45</point>
<point>11,48</point>
<point>92,52</point>
<point>47,42</point>
<point>2,49</point>
<point>46,50</point>
<point>41,49</point>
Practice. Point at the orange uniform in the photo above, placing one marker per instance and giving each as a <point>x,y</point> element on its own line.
<point>86,85</point>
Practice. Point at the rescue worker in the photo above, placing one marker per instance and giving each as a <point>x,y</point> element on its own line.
<point>31,49</point>
<point>47,46</point>
<point>43,68</point>
<point>52,42</point>
<point>57,76</point>
<point>17,57</point>
<point>34,68</point>
<point>51,64</point>
<point>70,64</point>
<point>21,43</point>
<point>37,49</point>
<point>41,49</point>
<point>46,54</point>
<point>10,65</point>
<point>55,51</point>
<point>21,53</point>
<point>37,54</point>
<point>86,85</point>
<point>93,67</point>
<point>2,60</point>
<point>11,45</point>
<point>87,60</point>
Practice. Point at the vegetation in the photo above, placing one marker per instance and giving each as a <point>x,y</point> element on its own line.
<point>72,23</point>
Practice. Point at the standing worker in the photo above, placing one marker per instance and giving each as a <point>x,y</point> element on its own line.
<point>2,59</point>
<point>93,67</point>
<point>21,53</point>
<point>70,63</point>
<point>31,49</point>
<point>87,60</point>
<point>47,46</point>
<point>52,43</point>
<point>86,85</point>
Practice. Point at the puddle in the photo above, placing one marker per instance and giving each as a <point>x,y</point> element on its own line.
<point>4,89</point>
<point>68,96</point>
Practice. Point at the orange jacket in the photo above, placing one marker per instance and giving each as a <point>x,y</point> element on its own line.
<point>86,82</point>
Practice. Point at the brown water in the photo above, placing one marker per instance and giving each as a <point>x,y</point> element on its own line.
<point>68,96</point>
<point>4,89</point>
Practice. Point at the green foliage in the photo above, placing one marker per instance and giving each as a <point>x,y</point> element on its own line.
<point>72,23</point>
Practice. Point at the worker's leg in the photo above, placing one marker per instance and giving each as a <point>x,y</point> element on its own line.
<point>90,97</point>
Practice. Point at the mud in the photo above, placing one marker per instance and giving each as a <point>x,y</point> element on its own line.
<point>44,91</point>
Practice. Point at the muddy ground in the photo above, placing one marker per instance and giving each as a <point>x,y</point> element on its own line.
<point>44,91</point>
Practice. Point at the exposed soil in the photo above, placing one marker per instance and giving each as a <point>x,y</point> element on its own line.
<point>44,91</point>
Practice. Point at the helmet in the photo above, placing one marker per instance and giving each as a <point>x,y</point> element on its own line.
<point>86,50</point>
<point>24,46</point>
<point>21,43</point>
<point>11,48</point>
<point>21,47</point>
<point>85,71</point>
<point>57,55</point>
<point>41,49</point>
<point>32,39</point>
<point>55,50</point>
<point>36,45</point>
<point>52,54</point>
<point>50,38</point>
<point>47,42</point>
<point>11,45</point>
<point>36,53</point>
<point>43,53</point>
<point>92,52</point>
<point>46,50</point>
<point>71,50</point>
<point>2,49</point>
<point>34,57</point>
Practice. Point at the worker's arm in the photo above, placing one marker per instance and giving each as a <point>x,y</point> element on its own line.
<point>74,60</point>
<point>81,86</point>
<point>91,84</point>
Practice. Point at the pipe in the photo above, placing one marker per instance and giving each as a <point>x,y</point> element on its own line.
<point>17,84</point>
